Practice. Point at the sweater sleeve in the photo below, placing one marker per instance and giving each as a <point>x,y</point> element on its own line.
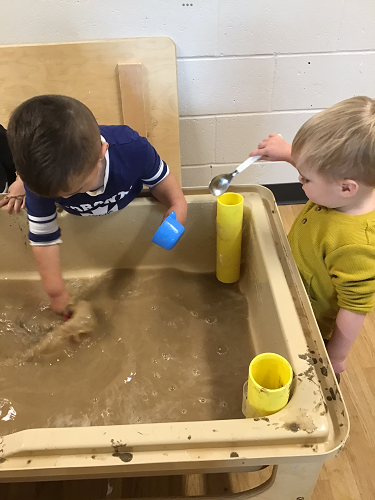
<point>42,217</point>
<point>154,168</point>
<point>352,269</point>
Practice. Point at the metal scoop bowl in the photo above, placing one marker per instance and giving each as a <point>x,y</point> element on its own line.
<point>220,183</point>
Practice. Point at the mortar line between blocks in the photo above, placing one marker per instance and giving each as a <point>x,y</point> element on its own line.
<point>280,54</point>
<point>251,113</point>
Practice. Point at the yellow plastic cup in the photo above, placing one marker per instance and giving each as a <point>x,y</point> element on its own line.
<point>229,237</point>
<point>268,386</point>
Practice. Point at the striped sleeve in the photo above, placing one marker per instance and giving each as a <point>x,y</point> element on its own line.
<point>42,217</point>
<point>155,169</point>
<point>161,173</point>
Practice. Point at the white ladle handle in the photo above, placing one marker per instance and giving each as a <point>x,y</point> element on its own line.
<point>246,164</point>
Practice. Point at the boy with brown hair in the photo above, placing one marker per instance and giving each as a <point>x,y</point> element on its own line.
<point>63,156</point>
<point>333,238</point>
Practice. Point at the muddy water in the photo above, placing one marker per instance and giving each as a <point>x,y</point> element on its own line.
<point>169,346</point>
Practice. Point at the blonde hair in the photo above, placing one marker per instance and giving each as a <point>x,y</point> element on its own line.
<point>339,142</point>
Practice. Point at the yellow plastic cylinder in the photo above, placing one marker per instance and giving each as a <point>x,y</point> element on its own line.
<point>269,382</point>
<point>229,236</point>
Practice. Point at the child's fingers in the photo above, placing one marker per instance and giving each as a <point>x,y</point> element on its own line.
<point>255,153</point>
<point>17,206</point>
<point>264,143</point>
<point>263,147</point>
<point>10,206</point>
<point>260,150</point>
<point>12,203</point>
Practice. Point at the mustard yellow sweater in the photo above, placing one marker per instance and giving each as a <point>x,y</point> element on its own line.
<point>335,254</point>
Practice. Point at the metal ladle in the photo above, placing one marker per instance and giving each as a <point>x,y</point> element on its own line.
<point>220,183</point>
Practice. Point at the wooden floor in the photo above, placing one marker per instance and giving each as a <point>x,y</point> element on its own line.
<point>350,476</point>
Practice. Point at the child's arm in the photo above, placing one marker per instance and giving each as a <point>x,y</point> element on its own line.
<point>170,194</point>
<point>47,258</point>
<point>14,200</point>
<point>44,237</point>
<point>346,330</point>
<point>274,148</point>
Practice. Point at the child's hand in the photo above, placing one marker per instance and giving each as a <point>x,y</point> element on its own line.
<point>180,210</point>
<point>14,200</point>
<point>338,365</point>
<point>170,194</point>
<point>273,148</point>
<point>60,303</point>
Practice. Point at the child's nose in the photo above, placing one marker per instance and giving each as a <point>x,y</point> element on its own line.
<point>300,178</point>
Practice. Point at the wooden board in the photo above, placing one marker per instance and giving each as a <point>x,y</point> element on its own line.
<point>134,111</point>
<point>90,71</point>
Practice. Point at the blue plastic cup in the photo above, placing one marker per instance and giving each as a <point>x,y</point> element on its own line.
<point>169,232</point>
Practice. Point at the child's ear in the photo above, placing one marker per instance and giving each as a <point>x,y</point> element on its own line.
<point>348,188</point>
<point>103,150</point>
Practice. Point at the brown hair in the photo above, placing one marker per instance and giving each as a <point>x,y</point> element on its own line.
<point>339,142</point>
<point>53,139</point>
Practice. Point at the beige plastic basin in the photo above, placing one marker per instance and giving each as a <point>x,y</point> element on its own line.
<point>297,440</point>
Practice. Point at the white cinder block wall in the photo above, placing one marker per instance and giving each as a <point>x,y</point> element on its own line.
<point>245,67</point>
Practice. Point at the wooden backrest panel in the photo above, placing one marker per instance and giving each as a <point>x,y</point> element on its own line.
<point>91,72</point>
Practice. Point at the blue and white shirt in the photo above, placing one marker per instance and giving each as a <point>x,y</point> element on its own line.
<point>131,162</point>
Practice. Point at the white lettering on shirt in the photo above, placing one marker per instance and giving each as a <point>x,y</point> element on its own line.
<point>122,194</point>
<point>101,210</point>
<point>86,207</point>
<point>110,200</point>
